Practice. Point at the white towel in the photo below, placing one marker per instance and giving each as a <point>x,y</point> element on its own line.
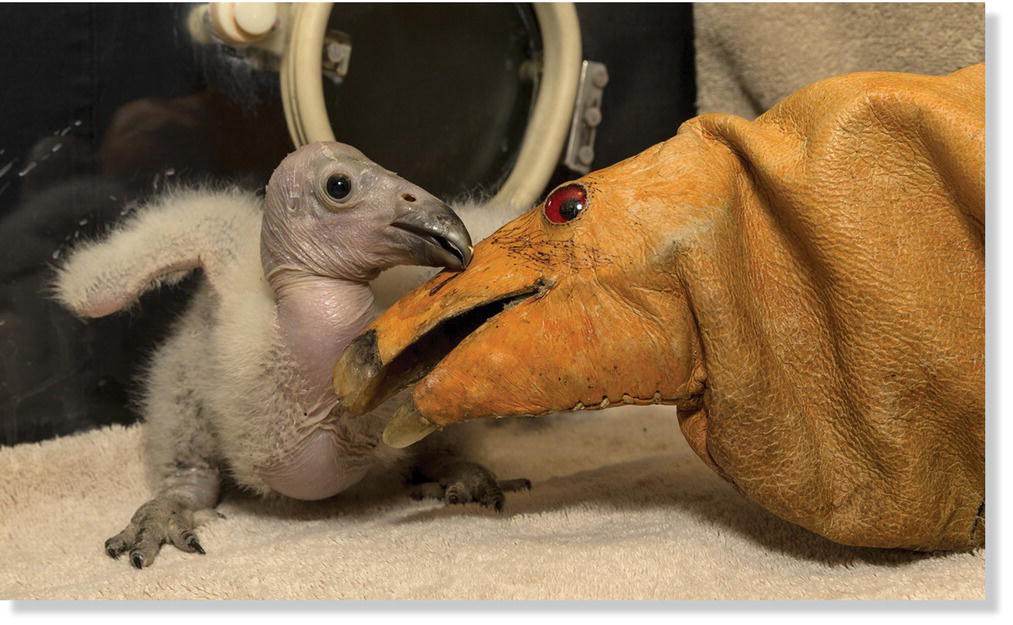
<point>621,509</point>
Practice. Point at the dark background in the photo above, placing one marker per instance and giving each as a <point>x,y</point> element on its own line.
<point>106,104</point>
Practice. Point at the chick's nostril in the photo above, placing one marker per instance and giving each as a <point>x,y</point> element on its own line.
<point>408,197</point>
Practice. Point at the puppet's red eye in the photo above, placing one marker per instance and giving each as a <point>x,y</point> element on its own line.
<point>565,203</point>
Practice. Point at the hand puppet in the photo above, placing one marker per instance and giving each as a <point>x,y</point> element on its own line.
<point>807,288</point>
<point>242,386</point>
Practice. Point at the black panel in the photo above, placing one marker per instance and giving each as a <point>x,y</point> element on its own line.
<point>648,50</point>
<point>102,104</point>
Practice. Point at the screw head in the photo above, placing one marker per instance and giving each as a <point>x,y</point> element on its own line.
<point>335,52</point>
<point>599,76</point>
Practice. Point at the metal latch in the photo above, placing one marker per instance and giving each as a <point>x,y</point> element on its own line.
<point>586,117</point>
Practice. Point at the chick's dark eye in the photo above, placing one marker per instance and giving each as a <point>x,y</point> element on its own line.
<point>565,203</point>
<point>338,187</point>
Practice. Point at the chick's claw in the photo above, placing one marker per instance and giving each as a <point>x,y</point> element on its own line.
<point>194,545</point>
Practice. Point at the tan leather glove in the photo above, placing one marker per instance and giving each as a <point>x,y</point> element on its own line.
<point>808,288</point>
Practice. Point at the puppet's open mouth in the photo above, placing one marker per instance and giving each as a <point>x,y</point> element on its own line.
<point>363,380</point>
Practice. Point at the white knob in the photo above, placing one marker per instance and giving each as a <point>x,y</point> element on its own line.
<point>243,22</point>
<point>256,18</point>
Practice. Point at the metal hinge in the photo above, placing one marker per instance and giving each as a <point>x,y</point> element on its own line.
<point>586,117</point>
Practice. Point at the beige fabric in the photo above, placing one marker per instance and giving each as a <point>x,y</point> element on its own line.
<point>749,56</point>
<point>621,508</point>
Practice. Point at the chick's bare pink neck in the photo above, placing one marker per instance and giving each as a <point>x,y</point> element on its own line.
<point>318,316</point>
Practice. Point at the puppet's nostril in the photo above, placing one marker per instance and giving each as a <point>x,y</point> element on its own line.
<point>408,197</point>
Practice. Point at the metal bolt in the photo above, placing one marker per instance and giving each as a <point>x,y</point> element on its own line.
<point>586,154</point>
<point>592,116</point>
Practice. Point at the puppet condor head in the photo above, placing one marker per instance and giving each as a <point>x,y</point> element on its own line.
<point>576,304</point>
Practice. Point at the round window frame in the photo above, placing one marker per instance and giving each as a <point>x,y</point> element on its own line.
<point>544,138</point>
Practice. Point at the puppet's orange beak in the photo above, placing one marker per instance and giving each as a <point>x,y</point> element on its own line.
<point>541,321</point>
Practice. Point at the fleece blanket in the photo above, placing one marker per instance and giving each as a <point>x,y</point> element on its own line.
<point>749,56</point>
<point>621,508</point>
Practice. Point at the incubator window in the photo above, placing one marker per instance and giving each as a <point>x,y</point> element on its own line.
<point>440,93</point>
<point>106,105</point>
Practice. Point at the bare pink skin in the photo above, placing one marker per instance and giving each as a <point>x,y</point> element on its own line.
<point>318,317</point>
<point>319,254</point>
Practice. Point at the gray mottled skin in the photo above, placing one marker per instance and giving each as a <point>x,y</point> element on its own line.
<point>242,386</point>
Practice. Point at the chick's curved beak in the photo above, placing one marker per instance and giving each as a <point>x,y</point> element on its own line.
<point>438,236</point>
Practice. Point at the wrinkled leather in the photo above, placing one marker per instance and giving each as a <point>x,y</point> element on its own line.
<point>808,287</point>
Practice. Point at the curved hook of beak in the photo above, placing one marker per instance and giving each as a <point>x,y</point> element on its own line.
<point>407,427</point>
<point>440,238</point>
